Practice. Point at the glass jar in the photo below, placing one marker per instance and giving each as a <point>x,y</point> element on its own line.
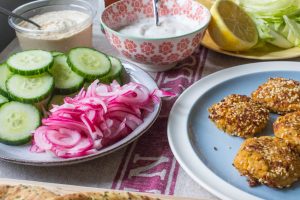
<point>79,34</point>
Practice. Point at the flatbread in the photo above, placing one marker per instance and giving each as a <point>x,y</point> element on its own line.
<point>3,190</point>
<point>22,192</point>
<point>118,196</point>
<point>104,196</point>
<point>77,196</point>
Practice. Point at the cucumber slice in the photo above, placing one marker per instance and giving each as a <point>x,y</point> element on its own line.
<point>32,62</point>
<point>30,89</point>
<point>56,53</point>
<point>89,63</point>
<point>4,75</point>
<point>66,81</point>
<point>115,71</point>
<point>17,121</point>
<point>3,100</point>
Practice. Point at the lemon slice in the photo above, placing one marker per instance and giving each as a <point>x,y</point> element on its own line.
<point>231,27</point>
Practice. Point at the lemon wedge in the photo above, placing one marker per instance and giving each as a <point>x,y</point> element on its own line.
<point>231,27</point>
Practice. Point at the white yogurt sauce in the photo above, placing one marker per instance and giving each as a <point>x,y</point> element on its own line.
<point>169,26</point>
<point>60,31</point>
<point>58,23</point>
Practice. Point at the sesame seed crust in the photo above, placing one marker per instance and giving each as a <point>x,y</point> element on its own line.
<point>279,95</point>
<point>238,115</point>
<point>287,127</point>
<point>268,160</point>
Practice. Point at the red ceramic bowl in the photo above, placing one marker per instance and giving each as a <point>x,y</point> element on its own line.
<point>157,54</point>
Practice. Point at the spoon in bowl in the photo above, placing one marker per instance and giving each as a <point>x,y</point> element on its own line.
<point>11,14</point>
<point>155,10</point>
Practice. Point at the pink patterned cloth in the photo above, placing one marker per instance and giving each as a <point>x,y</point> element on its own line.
<point>148,164</point>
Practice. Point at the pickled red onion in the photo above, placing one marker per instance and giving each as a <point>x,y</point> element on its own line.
<point>94,118</point>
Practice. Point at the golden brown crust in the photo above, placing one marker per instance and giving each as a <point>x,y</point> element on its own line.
<point>287,127</point>
<point>3,190</point>
<point>103,196</point>
<point>238,115</point>
<point>117,196</point>
<point>77,196</point>
<point>22,192</point>
<point>279,95</point>
<point>268,160</point>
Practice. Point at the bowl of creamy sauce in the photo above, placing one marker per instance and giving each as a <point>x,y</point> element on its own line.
<point>169,26</point>
<point>65,24</point>
<point>130,27</point>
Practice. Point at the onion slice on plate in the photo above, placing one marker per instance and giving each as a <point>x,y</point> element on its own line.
<point>94,118</point>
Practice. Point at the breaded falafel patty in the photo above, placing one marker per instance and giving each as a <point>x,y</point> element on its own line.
<point>268,160</point>
<point>279,95</point>
<point>287,127</point>
<point>238,115</point>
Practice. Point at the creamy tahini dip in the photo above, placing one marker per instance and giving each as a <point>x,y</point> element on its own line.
<point>169,26</point>
<point>60,31</point>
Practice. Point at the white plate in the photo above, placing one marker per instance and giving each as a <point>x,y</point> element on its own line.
<point>205,152</point>
<point>22,155</point>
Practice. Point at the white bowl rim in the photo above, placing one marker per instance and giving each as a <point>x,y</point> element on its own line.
<point>198,30</point>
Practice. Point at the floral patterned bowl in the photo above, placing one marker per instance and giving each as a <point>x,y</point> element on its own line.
<point>156,54</point>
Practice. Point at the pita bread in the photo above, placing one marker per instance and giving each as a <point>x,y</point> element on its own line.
<point>117,196</point>
<point>3,190</point>
<point>22,192</point>
<point>77,196</point>
<point>104,196</point>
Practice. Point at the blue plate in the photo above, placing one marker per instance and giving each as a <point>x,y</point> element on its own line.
<point>209,142</point>
<point>212,147</point>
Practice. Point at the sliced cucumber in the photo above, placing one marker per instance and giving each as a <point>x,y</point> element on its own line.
<point>56,53</point>
<point>66,81</point>
<point>115,71</point>
<point>4,75</point>
<point>32,62</point>
<point>30,89</point>
<point>3,100</point>
<point>89,63</point>
<point>17,121</point>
